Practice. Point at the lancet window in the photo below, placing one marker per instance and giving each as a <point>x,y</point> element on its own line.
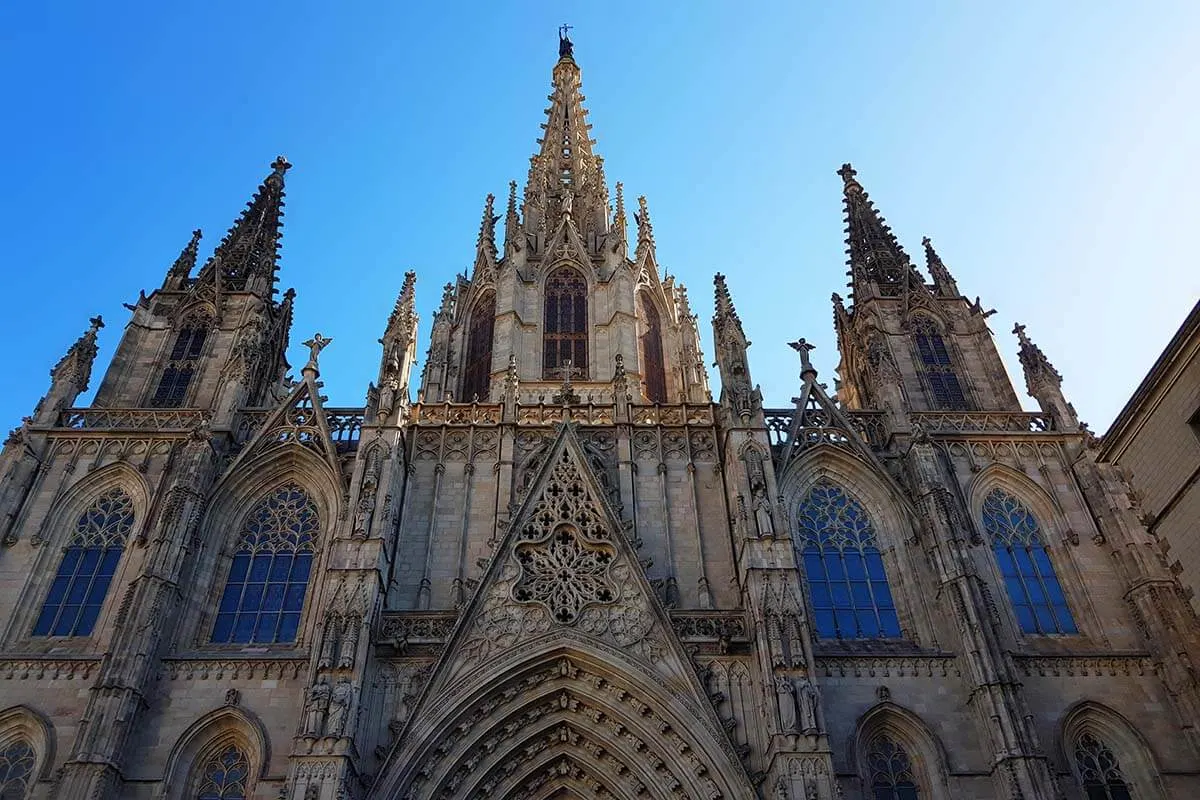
<point>565,332</point>
<point>843,567</point>
<point>182,363</point>
<point>891,772</point>
<point>88,564</point>
<point>1033,588</point>
<point>937,366</point>
<point>224,774</point>
<point>478,373</point>
<point>268,577</point>
<point>1099,772</point>
<point>17,760</point>
<point>653,367</point>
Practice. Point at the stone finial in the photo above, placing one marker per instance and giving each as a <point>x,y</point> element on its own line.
<point>315,345</point>
<point>801,346</point>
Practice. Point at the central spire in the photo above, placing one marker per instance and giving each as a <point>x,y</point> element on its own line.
<point>566,179</point>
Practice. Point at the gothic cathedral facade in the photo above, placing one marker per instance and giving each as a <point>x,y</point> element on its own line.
<point>562,569</point>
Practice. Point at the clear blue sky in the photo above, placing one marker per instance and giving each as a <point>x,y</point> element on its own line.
<point>1049,149</point>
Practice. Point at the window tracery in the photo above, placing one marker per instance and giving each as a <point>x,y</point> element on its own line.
<point>224,775</point>
<point>17,761</point>
<point>88,564</point>
<point>1099,771</point>
<point>1033,588</point>
<point>843,567</point>
<point>268,578</point>
<point>653,366</point>
<point>891,771</point>
<point>478,373</point>
<point>564,574</point>
<point>565,331</point>
<point>182,363</point>
<point>937,366</point>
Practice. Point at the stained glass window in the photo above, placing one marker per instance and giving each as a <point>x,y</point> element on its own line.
<point>1099,771</point>
<point>937,366</point>
<point>1033,588</point>
<point>224,775</point>
<point>268,578</point>
<point>843,567</point>
<point>17,760</point>
<point>565,336</point>
<point>478,373</point>
<point>891,775</point>
<point>653,367</point>
<point>88,564</point>
<point>181,364</point>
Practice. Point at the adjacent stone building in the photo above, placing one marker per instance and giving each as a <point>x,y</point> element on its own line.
<point>1156,440</point>
<point>565,571</point>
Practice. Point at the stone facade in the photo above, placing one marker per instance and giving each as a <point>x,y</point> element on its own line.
<point>565,571</point>
<point>1156,440</point>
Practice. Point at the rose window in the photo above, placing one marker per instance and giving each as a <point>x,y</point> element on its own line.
<point>564,574</point>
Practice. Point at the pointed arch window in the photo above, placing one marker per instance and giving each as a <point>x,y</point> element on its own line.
<point>843,567</point>
<point>565,330</point>
<point>937,366</point>
<point>891,771</point>
<point>224,775</point>
<point>477,376</point>
<point>268,578</point>
<point>88,564</point>
<point>17,760</point>
<point>1099,772</point>
<point>182,363</point>
<point>653,366</point>
<point>1033,588</point>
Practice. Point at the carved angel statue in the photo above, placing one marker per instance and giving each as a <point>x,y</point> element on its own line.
<point>315,345</point>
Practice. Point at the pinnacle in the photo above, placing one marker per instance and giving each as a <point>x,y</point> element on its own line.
<point>645,228</point>
<point>186,262</point>
<point>724,302</point>
<point>942,278</point>
<point>487,225</point>
<point>1033,360</point>
<point>875,255</point>
<point>247,256</point>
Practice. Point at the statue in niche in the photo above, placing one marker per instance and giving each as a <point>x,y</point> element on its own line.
<point>807,699</point>
<point>339,708</point>
<point>785,695</point>
<point>316,708</point>
<point>362,517</point>
<point>762,513</point>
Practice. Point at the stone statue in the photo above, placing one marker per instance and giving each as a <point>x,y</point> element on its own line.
<point>316,708</point>
<point>565,47</point>
<point>362,517</point>
<point>315,345</point>
<point>785,694</point>
<point>807,699</point>
<point>568,202</point>
<point>339,708</point>
<point>762,513</point>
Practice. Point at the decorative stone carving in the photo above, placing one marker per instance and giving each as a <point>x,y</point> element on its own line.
<point>316,707</point>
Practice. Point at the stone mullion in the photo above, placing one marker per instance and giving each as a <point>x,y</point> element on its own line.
<point>1019,766</point>
<point>148,610</point>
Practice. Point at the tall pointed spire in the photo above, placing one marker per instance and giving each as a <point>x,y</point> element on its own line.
<point>512,222</point>
<point>70,376</point>
<point>245,260</point>
<point>178,274</point>
<point>404,311</point>
<point>739,395</point>
<point>485,244</point>
<point>943,281</point>
<point>645,239</point>
<point>725,319</point>
<point>566,178</point>
<point>1044,383</point>
<point>875,257</point>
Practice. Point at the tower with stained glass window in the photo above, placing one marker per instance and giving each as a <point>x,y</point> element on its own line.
<point>543,561</point>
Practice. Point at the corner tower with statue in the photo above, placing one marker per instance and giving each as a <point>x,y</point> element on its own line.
<point>549,564</point>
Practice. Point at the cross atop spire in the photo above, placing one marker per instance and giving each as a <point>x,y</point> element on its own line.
<point>875,256</point>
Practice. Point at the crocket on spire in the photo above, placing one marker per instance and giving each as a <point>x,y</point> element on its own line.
<point>178,274</point>
<point>875,257</point>
<point>943,281</point>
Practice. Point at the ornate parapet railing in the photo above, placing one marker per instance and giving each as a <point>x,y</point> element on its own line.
<point>135,419</point>
<point>983,422</point>
<point>552,414</point>
<point>415,632</point>
<point>672,415</point>
<point>456,413</point>
<point>345,425</point>
<point>870,425</point>
<point>710,626</point>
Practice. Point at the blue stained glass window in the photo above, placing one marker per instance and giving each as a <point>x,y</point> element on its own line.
<point>937,366</point>
<point>268,577</point>
<point>843,567</point>
<point>17,761</point>
<point>1099,770</point>
<point>88,564</point>
<point>224,775</point>
<point>1033,588</point>
<point>892,776</point>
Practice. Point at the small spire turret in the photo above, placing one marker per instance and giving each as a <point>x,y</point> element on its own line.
<point>739,395</point>
<point>512,222</point>
<point>70,376</point>
<point>487,227</point>
<point>178,274</point>
<point>1044,383</point>
<point>943,281</point>
<point>645,240</point>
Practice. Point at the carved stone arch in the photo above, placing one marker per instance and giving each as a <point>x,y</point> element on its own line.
<point>1022,487</point>
<point>58,526</point>
<point>1137,761</point>
<point>221,526</point>
<point>22,723</point>
<point>909,324</point>
<point>532,690</point>
<point>920,743</point>
<point>229,725</point>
